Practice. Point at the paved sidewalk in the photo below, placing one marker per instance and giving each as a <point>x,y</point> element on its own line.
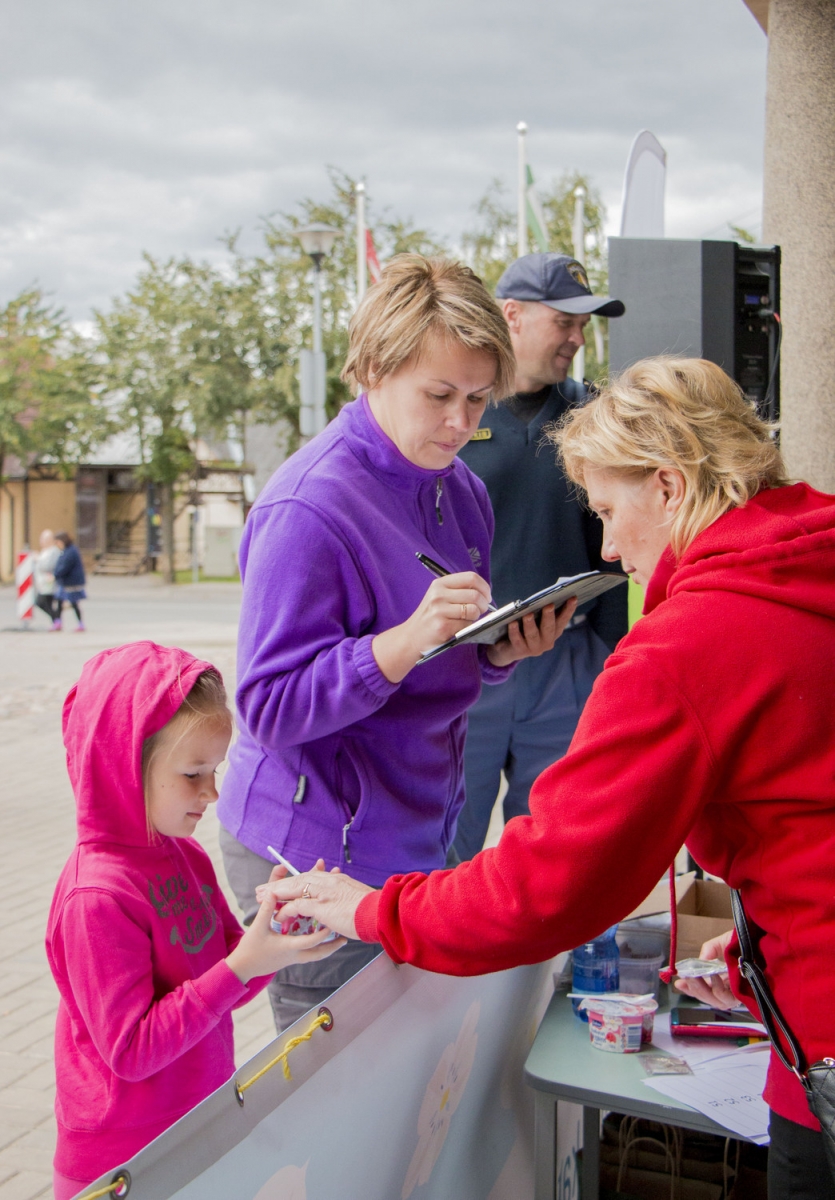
<point>37,831</point>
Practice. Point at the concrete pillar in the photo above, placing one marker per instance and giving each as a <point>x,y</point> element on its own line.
<point>799,214</point>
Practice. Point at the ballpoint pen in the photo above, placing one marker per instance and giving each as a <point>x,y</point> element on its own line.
<point>283,861</point>
<point>299,924</point>
<point>440,571</point>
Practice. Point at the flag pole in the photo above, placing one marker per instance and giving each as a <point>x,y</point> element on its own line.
<point>362,266</point>
<point>522,188</point>
<point>579,239</point>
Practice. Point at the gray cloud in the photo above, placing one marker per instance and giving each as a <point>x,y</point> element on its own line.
<point>158,126</point>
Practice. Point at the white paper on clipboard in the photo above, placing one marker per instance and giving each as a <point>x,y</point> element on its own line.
<point>491,627</point>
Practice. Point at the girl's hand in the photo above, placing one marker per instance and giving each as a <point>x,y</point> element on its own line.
<point>333,898</point>
<point>450,604</point>
<point>526,639</point>
<point>712,989</point>
<point>262,951</point>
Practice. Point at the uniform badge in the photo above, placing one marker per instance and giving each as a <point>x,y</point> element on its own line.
<point>482,435</point>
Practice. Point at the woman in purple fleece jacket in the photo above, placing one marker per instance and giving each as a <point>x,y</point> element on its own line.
<point>349,750</point>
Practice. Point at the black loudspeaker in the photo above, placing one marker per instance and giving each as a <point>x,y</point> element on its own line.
<point>698,299</point>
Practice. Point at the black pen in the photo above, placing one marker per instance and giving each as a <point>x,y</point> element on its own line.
<point>440,571</point>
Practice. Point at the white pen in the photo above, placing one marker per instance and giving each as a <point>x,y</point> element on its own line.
<point>283,861</point>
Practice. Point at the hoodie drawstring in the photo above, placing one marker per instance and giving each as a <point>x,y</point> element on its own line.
<point>668,974</point>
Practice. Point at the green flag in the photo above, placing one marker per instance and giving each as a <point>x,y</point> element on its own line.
<point>535,215</point>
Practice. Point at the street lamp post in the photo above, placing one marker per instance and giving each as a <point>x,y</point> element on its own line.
<point>317,241</point>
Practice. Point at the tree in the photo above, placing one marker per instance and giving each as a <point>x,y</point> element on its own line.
<point>49,410</point>
<point>491,245</point>
<point>151,380</point>
<point>242,368</point>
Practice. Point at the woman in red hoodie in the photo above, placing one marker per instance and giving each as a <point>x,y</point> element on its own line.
<point>712,722</point>
<point>146,954</point>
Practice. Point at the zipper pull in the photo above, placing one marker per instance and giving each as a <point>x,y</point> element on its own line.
<point>439,491</point>
<point>345,849</point>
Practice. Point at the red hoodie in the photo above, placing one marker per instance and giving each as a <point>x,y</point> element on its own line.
<point>137,932</point>
<point>712,723</point>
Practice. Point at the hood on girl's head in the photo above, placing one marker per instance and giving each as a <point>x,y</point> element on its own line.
<point>123,697</point>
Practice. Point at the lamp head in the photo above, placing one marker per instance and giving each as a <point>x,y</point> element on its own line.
<point>317,240</point>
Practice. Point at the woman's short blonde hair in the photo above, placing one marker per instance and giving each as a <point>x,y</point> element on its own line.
<point>418,299</point>
<point>679,413</point>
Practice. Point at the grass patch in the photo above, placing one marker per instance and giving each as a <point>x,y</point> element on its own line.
<point>636,601</point>
<point>186,577</point>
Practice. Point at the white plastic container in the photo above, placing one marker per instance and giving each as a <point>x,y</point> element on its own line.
<point>617,1024</point>
<point>643,953</point>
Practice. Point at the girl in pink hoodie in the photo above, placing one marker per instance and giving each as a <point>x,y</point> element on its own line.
<point>147,956</point>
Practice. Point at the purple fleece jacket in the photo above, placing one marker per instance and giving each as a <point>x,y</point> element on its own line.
<point>333,760</point>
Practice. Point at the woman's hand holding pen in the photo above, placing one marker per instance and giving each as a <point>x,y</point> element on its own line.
<point>450,604</point>
<point>529,639</point>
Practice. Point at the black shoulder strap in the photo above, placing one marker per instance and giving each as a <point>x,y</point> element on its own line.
<point>771,1016</point>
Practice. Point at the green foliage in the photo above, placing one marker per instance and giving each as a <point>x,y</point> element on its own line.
<point>490,247</point>
<point>285,273</point>
<point>238,342</point>
<point>148,367</point>
<point>742,235</point>
<point>49,411</point>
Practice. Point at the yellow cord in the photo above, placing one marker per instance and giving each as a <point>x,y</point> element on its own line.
<point>105,1191</point>
<point>324,1018</point>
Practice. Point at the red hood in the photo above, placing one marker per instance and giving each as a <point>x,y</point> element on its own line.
<point>778,547</point>
<point>123,696</point>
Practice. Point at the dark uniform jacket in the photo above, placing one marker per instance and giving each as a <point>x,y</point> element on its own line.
<point>542,529</point>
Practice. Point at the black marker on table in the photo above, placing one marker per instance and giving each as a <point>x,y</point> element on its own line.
<point>440,571</point>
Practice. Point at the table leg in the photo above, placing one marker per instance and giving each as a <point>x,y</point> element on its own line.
<point>545,1146</point>
<point>590,1189</point>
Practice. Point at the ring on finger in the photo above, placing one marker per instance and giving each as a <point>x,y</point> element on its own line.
<point>464,612</point>
<point>306,892</point>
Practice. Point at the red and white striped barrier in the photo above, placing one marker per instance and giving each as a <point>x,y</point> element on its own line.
<point>25,580</point>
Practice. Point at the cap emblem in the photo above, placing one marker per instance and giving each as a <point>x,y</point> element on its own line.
<point>578,274</point>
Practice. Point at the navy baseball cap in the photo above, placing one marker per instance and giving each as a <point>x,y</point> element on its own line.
<point>558,281</point>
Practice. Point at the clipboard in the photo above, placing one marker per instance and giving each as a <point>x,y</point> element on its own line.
<point>489,629</point>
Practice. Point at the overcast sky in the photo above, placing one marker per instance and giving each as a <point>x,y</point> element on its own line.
<point>158,124</point>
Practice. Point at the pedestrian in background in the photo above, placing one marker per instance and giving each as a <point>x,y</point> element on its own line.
<point>543,531</point>
<point>45,574</point>
<point>70,580</point>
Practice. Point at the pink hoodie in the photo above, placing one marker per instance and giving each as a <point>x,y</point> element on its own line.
<point>138,930</point>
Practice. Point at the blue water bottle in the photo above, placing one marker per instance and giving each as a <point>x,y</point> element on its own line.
<point>596,967</point>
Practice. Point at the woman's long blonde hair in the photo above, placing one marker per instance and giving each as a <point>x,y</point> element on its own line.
<point>679,413</point>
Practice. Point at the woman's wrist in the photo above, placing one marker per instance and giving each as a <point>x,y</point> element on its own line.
<point>394,653</point>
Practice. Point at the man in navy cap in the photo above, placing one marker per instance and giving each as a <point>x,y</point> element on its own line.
<point>542,532</point>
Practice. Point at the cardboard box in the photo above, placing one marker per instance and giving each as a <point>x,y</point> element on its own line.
<point>704,910</point>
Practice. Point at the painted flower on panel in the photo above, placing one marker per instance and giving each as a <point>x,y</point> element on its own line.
<point>286,1184</point>
<point>443,1095</point>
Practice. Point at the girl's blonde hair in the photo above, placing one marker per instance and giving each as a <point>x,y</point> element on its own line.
<point>415,300</point>
<point>680,413</point>
<point>205,705</point>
